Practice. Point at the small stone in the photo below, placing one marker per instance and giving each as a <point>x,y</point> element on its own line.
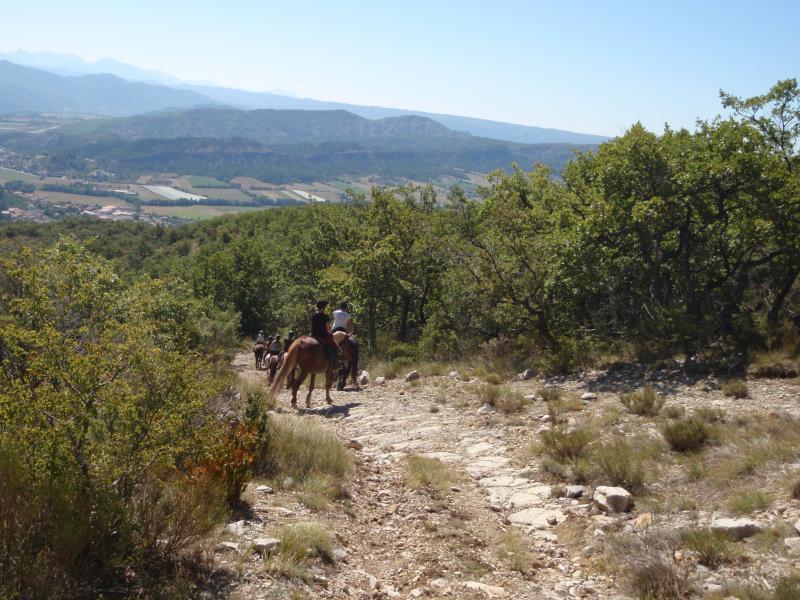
<point>552,520</point>
<point>355,445</point>
<point>738,529</point>
<point>453,374</point>
<point>284,512</point>
<point>383,495</point>
<point>792,545</point>
<point>412,375</point>
<point>236,528</point>
<point>288,483</point>
<point>380,380</point>
<point>266,545</point>
<point>797,527</point>
<point>588,396</point>
<point>228,547</point>
<point>264,489</point>
<point>340,554</point>
<point>545,418</point>
<point>455,488</point>
<point>526,375</point>
<point>574,491</point>
<point>490,591</point>
<point>529,397</point>
<point>613,499</point>
<point>363,379</point>
<point>486,409</point>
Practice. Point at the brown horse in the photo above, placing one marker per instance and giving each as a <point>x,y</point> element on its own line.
<point>307,353</point>
<point>348,361</point>
<point>258,352</point>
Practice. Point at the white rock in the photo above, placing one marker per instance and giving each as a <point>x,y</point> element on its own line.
<point>380,380</point>
<point>236,528</point>
<point>264,489</point>
<point>792,545</point>
<point>490,591</point>
<point>340,554</point>
<point>797,527</point>
<point>526,375</point>
<point>588,396</point>
<point>266,545</point>
<point>284,512</point>
<point>529,397</point>
<point>228,547</point>
<point>412,375</point>
<point>363,379</point>
<point>538,518</point>
<point>575,491</point>
<point>613,499</point>
<point>453,374</point>
<point>485,409</point>
<point>738,529</point>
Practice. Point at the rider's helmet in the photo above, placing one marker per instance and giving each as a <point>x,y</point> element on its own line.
<point>343,305</point>
<point>260,332</point>
<point>290,334</point>
<point>321,304</point>
<point>277,336</point>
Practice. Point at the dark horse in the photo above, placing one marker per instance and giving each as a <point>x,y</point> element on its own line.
<point>258,351</point>
<point>348,359</point>
<point>307,353</point>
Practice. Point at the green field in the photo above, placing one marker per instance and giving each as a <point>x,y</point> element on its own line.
<point>199,181</point>
<point>221,193</point>
<point>198,212</point>
<point>11,175</point>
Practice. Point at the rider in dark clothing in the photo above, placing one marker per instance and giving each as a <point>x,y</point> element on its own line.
<point>321,329</point>
<point>288,341</point>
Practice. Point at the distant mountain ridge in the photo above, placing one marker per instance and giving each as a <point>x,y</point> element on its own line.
<point>214,95</point>
<point>27,90</point>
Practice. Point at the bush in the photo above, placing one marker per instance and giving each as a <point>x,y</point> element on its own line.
<point>104,410</point>
<point>750,501</point>
<point>563,445</point>
<point>301,448</point>
<point>712,547</point>
<point>646,403</point>
<point>550,394</point>
<point>489,394</point>
<point>429,472</point>
<point>621,465</point>
<point>648,568</point>
<point>686,435</point>
<point>735,388</point>
<point>505,400</point>
<point>300,543</point>
<point>674,411</point>
<point>773,365</point>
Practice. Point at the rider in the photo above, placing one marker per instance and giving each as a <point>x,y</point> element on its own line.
<point>321,329</point>
<point>288,341</point>
<point>260,337</point>
<point>342,320</point>
<point>275,347</point>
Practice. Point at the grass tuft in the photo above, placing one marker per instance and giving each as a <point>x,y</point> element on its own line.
<point>735,388</point>
<point>424,472</point>
<point>550,394</point>
<point>686,435</point>
<point>563,445</point>
<point>750,501</point>
<point>645,403</point>
<point>712,547</point>
<point>621,464</point>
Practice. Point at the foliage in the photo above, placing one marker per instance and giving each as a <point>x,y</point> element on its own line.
<point>563,445</point>
<point>621,465</point>
<point>712,547</point>
<point>749,501</point>
<point>103,409</point>
<point>300,448</point>
<point>645,403</point>
<point>735,388</point>
<point>686,435</point>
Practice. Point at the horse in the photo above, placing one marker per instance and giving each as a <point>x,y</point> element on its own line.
<point>348,343</point>
<point>272,365</point>
<point>258,351</point>
<point>309,354</point>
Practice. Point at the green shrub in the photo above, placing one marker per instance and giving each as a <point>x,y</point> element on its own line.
<point>300,543</point>
<point>563,445</point>
<point>735,388</point>
<point>712,547</point>
<point>686,435</point>
<point>648,569</point>
<point>621,465</point>
<point>423,472</point>
<point>494,379</point>
<point>489,394</point>
<point>750,501</point>
<point>550,394</point>
<point>646,403</point>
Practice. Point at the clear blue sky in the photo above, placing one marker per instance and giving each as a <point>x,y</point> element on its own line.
<point>581,65</point>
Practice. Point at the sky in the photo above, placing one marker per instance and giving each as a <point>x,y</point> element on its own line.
<point>588,66</point>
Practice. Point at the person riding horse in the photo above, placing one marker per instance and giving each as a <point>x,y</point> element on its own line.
<point>342,320</point>
<point>275,347</point>
<point>321,330</point>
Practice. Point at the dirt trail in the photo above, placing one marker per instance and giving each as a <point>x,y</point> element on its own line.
<point>466,541</point>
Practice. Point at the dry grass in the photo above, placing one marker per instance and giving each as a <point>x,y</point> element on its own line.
<point>787,588</point>
<point>645,403</point>
<point>794,490</point>
<point>300,543</point>
<point>713,548</point>
<point>562,445</point>
<point>550,394</point>
<point>735,388</point>
<point>621,464</point>
<point>749,501</point>
<point>514,549</point>
<point>674,411</point>
<point>773,365</point>
<point>424,472</point>
<point>648,569</point>
<point>686,435</point>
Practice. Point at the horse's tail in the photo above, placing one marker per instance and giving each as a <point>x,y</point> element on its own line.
<point>354,345</point>
<point>289,363</point>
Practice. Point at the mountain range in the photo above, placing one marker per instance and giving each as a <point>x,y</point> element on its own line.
<point>46,82</point>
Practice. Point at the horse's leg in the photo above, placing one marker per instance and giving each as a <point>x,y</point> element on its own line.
<point>296,383</point>
<point>328,382</point>
<point>310,389</point>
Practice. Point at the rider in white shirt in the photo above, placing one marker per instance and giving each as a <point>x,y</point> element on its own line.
<point>342,320</point>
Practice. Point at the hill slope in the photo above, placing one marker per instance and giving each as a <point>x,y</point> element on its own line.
<point>27,90</point>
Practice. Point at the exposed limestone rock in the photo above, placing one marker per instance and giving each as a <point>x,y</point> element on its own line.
<point>266,545</point>
<point>737,529</point>
<point>490,591</point>
<point>613,499</point>
<point>412,375</point>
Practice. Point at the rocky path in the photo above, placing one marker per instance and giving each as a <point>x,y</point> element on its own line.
<point>495,532</point>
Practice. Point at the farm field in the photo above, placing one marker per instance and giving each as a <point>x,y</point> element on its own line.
<point>64,197</point>
<point>197,212</point>
<point>200,181</point>
<point>221,193</point>
<point>7,175</point>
